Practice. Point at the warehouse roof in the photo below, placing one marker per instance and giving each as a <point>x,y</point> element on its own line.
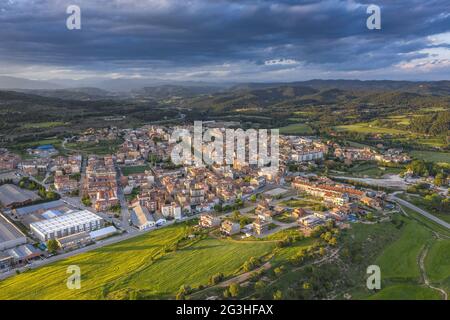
<point>8,231</point>
<point>100,233</point>
<point>65,221</point>
<point>40,207</point>
<point>10,194</point>
<point>23,251</point>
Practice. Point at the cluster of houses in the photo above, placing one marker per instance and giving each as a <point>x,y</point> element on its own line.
<point>342,198</point>
<point>66,171</point>
<point>100,183</point>
<point>367,154</point>
<point>92,135</point>
<point>33,167</point>
<point>8,160</point>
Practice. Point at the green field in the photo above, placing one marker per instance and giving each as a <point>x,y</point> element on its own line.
<point>406,292</point>
<point>401,120</point>
<point>367,127</point>
<point>20,148</point>
<point>399,260</point>
<point>143,267</point>
<point>103,147</point>
<point>43,125</point>
<point>437,262</point>
<point>137,265</point>
<point>433,156</point>
<point>297,128</point>
<point>133,169</point>
<point>372,170</point>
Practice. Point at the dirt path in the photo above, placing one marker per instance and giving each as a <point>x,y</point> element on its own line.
<point>423,274</point>
<point>245,276</point>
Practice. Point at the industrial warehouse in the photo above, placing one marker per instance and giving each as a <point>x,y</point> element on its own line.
<point>63,225</point>
<point>10,236</point>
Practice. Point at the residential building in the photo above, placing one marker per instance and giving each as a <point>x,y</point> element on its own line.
<point>209,221</point>
<point>260,226</point>
<point>230,228</point>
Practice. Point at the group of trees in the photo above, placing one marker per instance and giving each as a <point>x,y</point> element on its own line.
<point>422,168</point>
<point>238,217</point>
<point>52,246</point>
<point>232,291</point>
<point>47,195</point>
<point>251,264</point>
<point>435,124</point>
<point>437,203</point>
<point>86,201</point>
<point>215,279</point>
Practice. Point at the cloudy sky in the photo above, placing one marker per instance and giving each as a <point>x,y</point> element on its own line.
<point>225,40</point>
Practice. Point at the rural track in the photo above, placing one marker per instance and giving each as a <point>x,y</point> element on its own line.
<point>423,274</point>
<point>244,276</point>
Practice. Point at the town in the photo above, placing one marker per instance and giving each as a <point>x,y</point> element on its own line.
<point>54,204</point>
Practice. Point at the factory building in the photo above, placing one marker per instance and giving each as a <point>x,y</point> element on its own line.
<point>67,224</point>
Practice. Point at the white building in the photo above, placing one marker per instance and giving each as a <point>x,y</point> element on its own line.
<point>141,218</point>
<point>71,223</point>
<point>171,210</point>
<point>309,155</point>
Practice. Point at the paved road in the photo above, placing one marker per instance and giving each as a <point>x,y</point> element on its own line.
<point>124,212</point>
<point>419,210</point>
<point>389,180</point>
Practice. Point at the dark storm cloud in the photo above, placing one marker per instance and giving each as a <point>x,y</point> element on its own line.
<point>166,34</point>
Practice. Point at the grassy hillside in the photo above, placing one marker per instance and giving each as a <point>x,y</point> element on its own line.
<point>399,260</point>
<point>140,264</point>
<point>437,263</point>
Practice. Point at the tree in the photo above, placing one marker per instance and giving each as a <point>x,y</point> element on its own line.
<point>234,289</point>
<point>215,279</point>
<point>182,292</point>
<point>277,295</point>
<point>52,246</point>
<point>253,198</point>
<point>278,270</point>
<point>333,241</point>
<point>86,201</point>
<point>236,214</point>
<point>439,180</point>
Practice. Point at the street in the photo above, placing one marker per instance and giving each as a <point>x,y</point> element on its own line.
<point>419,210</point>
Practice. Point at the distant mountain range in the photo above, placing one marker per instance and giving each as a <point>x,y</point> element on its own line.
<point>98,89</point>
